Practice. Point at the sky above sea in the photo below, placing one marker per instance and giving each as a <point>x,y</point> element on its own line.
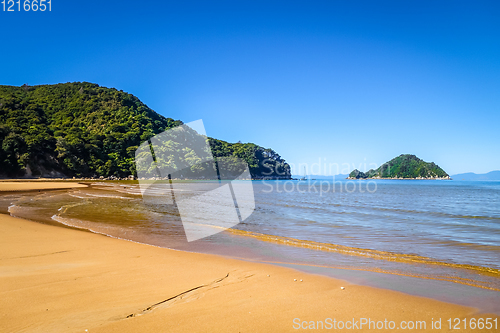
<point>340,83</point>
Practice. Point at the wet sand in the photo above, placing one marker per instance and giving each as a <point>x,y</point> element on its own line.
<point>54,279</point>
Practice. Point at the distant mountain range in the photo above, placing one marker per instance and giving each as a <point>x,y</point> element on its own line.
<point>492,175</point>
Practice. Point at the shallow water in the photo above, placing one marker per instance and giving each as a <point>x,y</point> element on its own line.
<point>446,231</point>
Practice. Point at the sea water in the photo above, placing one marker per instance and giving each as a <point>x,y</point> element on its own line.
<point>378,232</point>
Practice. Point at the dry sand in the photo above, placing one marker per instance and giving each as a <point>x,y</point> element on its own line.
<point>54,279</point>
<point>8,186</point>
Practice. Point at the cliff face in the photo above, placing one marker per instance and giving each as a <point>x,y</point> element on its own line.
<point>403,167</point>
<point>84,130</point>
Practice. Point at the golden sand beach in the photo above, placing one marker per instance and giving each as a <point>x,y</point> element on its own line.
<point>54,279</point>
<point>8,186</point>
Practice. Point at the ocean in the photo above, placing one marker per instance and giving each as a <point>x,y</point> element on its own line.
<point>433,238</point>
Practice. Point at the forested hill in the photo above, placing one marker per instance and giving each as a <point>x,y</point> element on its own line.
<point>84,130</point>
<point>404,166</point>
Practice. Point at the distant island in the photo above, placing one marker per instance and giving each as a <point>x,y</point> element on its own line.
<point>404,166</point>
<point>83,130</point>
<point>321,177</point>
<point>492,175</point>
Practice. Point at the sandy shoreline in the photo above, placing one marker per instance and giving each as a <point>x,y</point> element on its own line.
<point>17,186</point>
<point>55,279</point>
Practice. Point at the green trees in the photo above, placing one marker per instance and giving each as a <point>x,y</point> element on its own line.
<point>262,162</point>
<point>403,166</point>
<point>84,130</point>
<point>14,150</point>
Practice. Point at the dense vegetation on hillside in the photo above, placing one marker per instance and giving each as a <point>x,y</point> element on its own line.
<point>403,166</point>
<point>84,130</point>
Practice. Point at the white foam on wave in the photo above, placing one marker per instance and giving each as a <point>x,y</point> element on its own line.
<point>103,184</point>
<point>62,220</point>
<point>132,192</point>
<point>9,208</point>
<point>87,195</point>
<point>77,196</point>
<point>107,196</point>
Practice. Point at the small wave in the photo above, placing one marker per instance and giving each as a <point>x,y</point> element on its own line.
<point>73,225</point>
<point>103,184</point>
<point>87,195</point>
<point>423,212</point>
<point>77,196</point>
<point>130,192</point>
<point>455,279</point>
<point>108,196</point>
<point>353,251</point>
<point>9,208</point>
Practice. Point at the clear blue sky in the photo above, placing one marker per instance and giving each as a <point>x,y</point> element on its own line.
<point>342,81</point>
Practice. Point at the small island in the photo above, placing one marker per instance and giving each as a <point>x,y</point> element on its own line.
<point>404,166</point>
